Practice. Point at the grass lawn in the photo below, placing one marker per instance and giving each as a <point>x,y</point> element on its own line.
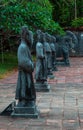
<point>9,64</point>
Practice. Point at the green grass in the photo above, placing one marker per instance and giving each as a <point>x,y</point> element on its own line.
<point>10,62</point>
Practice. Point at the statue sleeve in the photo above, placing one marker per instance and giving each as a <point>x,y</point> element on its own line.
<point>39,50</point>
<point>47,47</point>
<point>52,47</point>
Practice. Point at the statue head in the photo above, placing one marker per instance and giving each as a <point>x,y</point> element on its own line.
<point>27,35</point>
<point>50,38</point>
<point>43,37</point>
<point>38,33</point>
<point>47,36</point>
<point>24,32</point>
<point>64,39</point>
<point>67,39</point>
<point>31,37</point>
<point>54,39</point>
<point>70,42</point>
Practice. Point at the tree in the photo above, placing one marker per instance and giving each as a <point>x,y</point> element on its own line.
<point>35,14</point>
<point>65,11</point>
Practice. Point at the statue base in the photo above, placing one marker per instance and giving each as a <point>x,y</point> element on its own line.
<point>28,112</point>
<point>63,63</point>
<point>42,87</point>
<point>51,76</point>
<point>55,69</point>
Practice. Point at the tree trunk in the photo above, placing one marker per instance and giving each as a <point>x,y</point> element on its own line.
<point>75,9</point>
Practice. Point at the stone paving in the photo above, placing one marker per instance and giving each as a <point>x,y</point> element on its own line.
<point>60,109</point>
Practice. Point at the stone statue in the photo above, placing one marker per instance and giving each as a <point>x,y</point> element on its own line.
<point>41,67</point>
<point>66,46</point>
<point>48,52</point>
<point>25,91</point>
<point>40,58</point>
<point>31,38</point>
<point>73,36</point>
<point>58,46</point>
<point>73,42</point>
<point>52,45</point>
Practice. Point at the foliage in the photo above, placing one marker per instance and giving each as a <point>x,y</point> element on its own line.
<point>5,69</point>
<point>36,14</point>
<point>77,22</point>
<point>9,58</point>
<point>64,11</point>
<point>10,62</point>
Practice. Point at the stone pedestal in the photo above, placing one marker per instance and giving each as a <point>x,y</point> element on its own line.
<point>63,63</point>
<point>55,69</point>
<point>51,76</point>
<point>42,87</point>
<point>28,112</point>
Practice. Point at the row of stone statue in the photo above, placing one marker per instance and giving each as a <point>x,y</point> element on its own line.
<point>46,56</point>
<point>50,48</point>
<point>45,64</point>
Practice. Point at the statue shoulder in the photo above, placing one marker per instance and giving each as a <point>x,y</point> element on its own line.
<point>52,45</point>
<point>22,48</point>
<point>39,44</point>
<point>23,45</point>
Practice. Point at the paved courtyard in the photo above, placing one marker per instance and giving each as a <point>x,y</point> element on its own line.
<point>60,109</point>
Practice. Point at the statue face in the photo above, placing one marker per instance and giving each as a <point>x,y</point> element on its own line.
<point>38,35</point>
<point>42,37</point>
<point>27,35</point>
<point>24,32</point>
<point>54,39</point>
<point>47,37</point>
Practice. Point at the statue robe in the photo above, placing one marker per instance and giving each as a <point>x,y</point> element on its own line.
<point>48,54</point>
<point>41,67</point>
<point>52,46</point>
<point>25,86</point>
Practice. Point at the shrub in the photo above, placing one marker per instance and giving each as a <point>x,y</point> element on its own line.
<point>77,22</point>
<point>35,13</point>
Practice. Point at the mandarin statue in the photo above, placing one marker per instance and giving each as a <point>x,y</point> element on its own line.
<point>25,90</point>
<point>41,67</point>
<point>66,47</point>
<point>48,52</point>
<point>53,48</point>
